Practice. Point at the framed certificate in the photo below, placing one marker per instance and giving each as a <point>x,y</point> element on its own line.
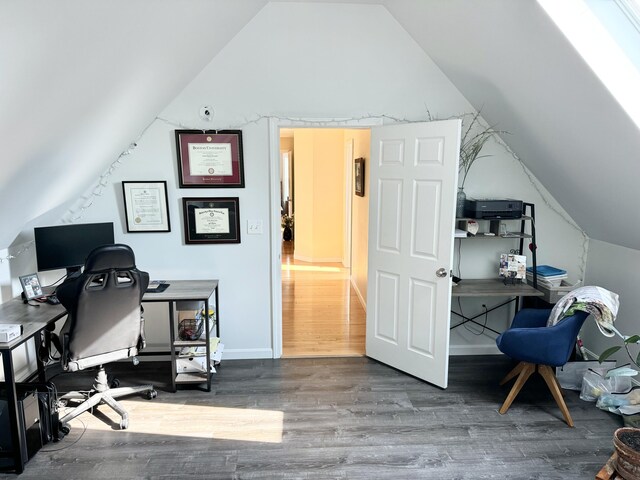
<point>211,220</point>
<point>210,158</point>
<point>146,206</point>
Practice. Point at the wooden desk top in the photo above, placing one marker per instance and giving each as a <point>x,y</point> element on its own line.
<point>493,287</point>
<point>32,318</point>
<point>183,290</point>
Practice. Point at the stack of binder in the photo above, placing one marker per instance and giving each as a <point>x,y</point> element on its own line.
<point>548,276</point>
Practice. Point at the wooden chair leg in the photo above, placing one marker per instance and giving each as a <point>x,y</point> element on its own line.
<point>513,373</point>
<point>525,372</point>
<point>552,383</point>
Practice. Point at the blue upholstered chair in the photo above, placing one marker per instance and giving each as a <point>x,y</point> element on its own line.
<point>539,348</point>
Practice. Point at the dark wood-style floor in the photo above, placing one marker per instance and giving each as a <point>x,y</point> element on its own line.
<point>332,418</point>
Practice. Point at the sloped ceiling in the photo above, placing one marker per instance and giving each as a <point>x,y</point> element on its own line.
<point>81,79</point>
<point>509,59</point>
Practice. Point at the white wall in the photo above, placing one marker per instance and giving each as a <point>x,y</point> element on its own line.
<point>319,200</point>
<point>364,65</point>
<point>360,216</point>
<point>616,269</point>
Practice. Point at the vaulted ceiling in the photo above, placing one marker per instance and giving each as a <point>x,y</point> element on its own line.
<point>81,78</point>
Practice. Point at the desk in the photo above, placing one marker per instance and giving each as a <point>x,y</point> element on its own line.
<point>35,319</point>
<point>188,291</point>
<point>491,287</point>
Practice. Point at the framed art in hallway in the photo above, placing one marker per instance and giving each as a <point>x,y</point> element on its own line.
<point>210,158</point>
<point>358,176</point>
<point>211,220</point>
<point>146,206</point>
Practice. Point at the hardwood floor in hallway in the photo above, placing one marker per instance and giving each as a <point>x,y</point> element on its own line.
<point>321,313</point>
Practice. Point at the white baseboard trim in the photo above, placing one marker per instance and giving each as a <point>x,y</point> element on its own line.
<point>359,295</point>
<point>228,354</point>
<point>247,353</point>
<point>474,350</point>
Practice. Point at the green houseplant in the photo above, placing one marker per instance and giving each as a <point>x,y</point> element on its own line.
<point>287,224</point>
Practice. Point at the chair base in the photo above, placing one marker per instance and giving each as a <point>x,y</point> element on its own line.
<point>523,371</point>
<point>102,393</point>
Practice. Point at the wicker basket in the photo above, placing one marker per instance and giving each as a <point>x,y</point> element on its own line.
<point>190,329</point>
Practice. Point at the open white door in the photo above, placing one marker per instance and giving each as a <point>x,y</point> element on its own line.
<point>413,182</point>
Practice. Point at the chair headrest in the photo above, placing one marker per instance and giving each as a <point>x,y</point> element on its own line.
<point>106,257</point>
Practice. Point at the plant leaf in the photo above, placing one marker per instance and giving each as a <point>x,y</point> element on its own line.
<point>632,339</point>
<point>607,353</point>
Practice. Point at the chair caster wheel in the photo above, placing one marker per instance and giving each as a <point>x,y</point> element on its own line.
<point>151,394</point>
<point>115,383</point>
<point>65,429</point>
<point>124,424</point>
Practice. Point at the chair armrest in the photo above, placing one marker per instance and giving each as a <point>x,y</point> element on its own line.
<point>531,318</point>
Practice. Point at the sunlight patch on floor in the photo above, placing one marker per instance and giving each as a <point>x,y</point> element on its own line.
<point>310,268</point>
<point>199,421</point>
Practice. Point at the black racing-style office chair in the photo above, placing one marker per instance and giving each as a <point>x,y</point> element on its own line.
<point>105,324</point>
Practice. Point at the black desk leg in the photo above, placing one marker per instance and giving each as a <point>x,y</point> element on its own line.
<point>42,374</point>
<point>207,337</point>
<point>172,339</point>
<point>12,405</point>
<point>466,319</point>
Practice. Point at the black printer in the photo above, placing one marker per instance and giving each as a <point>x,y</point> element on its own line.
<point>492,209</point>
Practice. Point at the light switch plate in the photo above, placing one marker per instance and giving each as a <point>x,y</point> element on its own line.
<point>254,227</point>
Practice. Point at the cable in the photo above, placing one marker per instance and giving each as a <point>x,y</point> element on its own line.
<point>84,429</point>
<point>57,281</point>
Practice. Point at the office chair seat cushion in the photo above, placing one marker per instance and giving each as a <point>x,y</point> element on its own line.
<point>102,359</point>
<point>540,344</point>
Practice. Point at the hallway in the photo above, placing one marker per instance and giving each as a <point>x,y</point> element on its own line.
<point>321,313</point>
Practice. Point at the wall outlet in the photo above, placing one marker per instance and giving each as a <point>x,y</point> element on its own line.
<point>254,227</point>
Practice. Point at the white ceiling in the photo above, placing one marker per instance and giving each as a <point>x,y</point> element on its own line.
<point>81,78</point>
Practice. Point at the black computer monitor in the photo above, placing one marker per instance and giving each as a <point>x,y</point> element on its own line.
<point>67,246</point>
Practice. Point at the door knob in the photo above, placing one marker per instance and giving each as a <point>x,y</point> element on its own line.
<point>441,272</point>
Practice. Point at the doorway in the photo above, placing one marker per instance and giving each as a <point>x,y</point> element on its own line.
<point>323,267</point>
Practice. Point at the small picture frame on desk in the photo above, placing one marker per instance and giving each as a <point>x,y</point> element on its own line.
<point>146,206</point>
<point>513,267</point>
<point>211,220</point>
<point>31,288</point>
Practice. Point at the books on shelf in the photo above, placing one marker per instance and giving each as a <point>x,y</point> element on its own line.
<point>547,271</point>
<point>548,276</point>
<point>547,282</point>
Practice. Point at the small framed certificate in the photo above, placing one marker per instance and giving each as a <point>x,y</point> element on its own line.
<point>211,220</point>
<point>146,206</point>
<point>212,158</point>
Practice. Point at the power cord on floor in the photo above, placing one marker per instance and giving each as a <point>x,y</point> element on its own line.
<point>50,450</point>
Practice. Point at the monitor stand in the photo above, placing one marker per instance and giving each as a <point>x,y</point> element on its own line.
<point>74,271</point>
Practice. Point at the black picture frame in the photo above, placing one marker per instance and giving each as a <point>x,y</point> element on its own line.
<point>211,220</point>
<point>210,158</point>
<point>358,176</point>
<point>146,206</point>
<point>31,287</point>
